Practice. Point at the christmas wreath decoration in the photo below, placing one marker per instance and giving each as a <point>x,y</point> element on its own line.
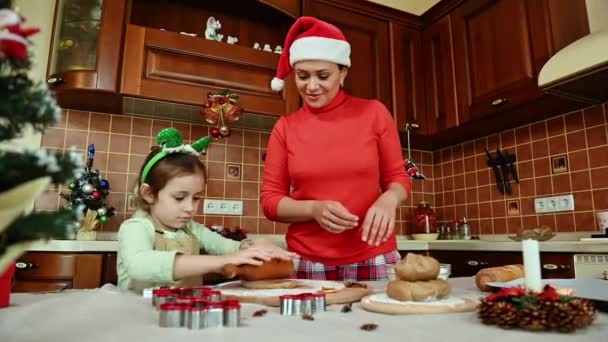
<point>548,310</point>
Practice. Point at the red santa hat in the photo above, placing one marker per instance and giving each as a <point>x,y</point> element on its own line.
<point>311,39</point>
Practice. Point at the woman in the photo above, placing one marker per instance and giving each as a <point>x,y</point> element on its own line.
<point>334,168</point>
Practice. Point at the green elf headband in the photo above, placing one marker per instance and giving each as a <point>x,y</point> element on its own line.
<point>172,142</point>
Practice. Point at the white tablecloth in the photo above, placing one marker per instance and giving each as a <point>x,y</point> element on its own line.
<point>108,314</point>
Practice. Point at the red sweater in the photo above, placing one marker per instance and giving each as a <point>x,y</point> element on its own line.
<point>346,151</point>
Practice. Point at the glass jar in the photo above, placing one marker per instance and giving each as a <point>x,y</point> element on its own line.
<point>425,219</point>
<point>76,40</point>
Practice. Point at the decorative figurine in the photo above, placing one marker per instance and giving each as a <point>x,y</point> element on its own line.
<point>256,46</point>
<point>212,27</point>
<point>267,47</point>
<point>278,49</point>
<point>232,40</point>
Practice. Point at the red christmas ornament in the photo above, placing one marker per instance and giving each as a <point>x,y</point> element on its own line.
<point>96,195</point>
<point>215,132</point>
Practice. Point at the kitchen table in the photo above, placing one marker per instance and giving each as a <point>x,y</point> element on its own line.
<point>109,314</point>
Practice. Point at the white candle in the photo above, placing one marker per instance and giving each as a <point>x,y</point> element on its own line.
<point>532,275</point>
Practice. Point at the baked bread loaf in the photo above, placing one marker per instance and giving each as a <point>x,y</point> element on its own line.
<point>417,267</point>
<point>273,269</point>
<point>418,291</point>
<point>499,274</point>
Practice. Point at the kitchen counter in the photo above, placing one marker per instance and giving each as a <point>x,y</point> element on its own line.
<point>108,314</point>
<point>402,243</point>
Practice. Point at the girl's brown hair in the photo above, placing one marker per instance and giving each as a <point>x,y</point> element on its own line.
<point>173,165</point>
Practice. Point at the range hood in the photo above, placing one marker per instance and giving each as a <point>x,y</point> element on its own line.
<point>580,70</point>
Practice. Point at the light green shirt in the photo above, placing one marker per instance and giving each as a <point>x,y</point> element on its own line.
<point>138,260</point>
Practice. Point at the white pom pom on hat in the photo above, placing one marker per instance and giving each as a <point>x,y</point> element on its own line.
<point>311,39</point>
<point>277,84</point>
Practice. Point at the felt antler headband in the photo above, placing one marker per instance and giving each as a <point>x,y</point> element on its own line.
<point>171,141</point>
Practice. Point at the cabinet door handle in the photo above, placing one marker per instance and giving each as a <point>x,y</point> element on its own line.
<point>552,267</point>
<point>500,101</point>
<point>476,263</point>
<point>25,265</point>
<point>54,80</point>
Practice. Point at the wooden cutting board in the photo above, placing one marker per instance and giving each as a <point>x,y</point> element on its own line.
<point>381,303</point>
<point>339,295</point>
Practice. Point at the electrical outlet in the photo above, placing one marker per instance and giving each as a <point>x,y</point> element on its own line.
<point>222,207</point>
<point>554,204</point>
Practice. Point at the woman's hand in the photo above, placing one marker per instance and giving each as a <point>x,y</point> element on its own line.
<point>333,216</point>
<point>379,220</point>
<point>269,247</point>
<point>250,256</point>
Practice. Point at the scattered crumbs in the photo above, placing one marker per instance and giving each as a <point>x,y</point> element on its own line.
<point>260,313</point>
<point>369,326</point>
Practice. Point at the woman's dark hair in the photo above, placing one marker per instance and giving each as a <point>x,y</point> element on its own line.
<point>173,165</point>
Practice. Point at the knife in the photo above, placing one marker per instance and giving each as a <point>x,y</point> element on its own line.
<point>494,165</point>
<point>502,162</point>
<point>511,159</point>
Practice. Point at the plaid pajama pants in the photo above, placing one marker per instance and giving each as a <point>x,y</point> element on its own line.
<point>370,269</point>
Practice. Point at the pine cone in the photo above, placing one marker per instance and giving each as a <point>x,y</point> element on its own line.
<point>567,317</point>
<point>533,318</point>
<point>503,314</point>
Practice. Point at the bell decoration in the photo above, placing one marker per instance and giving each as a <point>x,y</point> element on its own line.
<point>215,132</point>
<point>220,110</point>
<point>224,130</point>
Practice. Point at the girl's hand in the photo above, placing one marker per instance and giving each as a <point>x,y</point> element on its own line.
<point>274,250</point>
<point>250,256</point>
<point>333,216</point>
<point>379,220</point>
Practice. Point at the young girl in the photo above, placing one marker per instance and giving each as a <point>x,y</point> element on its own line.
<point>160,244</point>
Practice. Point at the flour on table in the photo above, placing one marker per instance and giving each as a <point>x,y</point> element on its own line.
<point>384,298</point>
<point>233,288</point>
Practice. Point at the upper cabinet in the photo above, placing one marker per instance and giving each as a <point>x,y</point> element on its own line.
<point>500,46</point>
<point>167,57</point>
<point>407,77</point>
<point>85,51</point>
<point>439,87</point>
<point>369,74</point>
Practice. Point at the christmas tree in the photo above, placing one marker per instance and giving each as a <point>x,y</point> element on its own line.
<point>24,175</point>
<point>89,192</point>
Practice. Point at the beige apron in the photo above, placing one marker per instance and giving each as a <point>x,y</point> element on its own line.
<point>184,246</point>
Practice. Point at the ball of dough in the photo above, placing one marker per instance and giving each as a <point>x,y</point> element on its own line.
<point>418,291</point>
<point>417,267</point>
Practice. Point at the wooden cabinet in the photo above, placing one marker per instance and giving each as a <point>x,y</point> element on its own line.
<point>438,66</point>
<point>557,265</point>
<point>468,263</point>
<point>42,271</point>
<point>500,46</point>
<point>369,74</point>
<point>84,61</point>
<point>162,64</point>
<point>407,76</point>
<point>172,67</point>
